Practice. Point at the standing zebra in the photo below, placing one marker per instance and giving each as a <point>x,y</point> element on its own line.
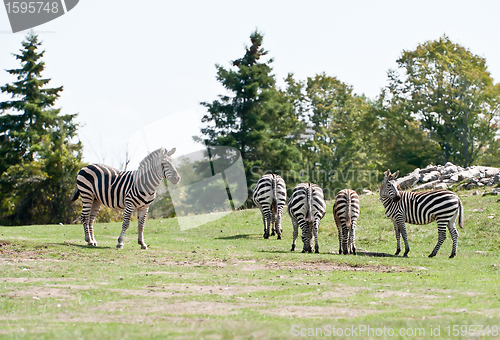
<point>101,184</point>
<point>269,195</point>
<point>346,212</point>
<point>442,206</point>
<point>306,208</point>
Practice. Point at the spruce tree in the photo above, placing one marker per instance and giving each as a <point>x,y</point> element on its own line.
<point>254,117</point>
<point>38,160</point>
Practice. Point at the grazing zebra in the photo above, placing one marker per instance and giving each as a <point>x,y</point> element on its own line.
<point>306,208</point>
<point>346,212</point>
<point>442,206</point>
<point>269,195</point>
<point>101,184</point>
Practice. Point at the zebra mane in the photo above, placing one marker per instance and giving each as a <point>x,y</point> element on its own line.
<point>152,156</point>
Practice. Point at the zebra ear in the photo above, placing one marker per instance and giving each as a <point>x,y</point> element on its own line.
<point>171,152</point>
<point>395,175</point>
<point>387,173</point>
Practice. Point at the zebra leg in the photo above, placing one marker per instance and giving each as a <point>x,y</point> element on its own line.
<point>278,226</point>
<point>295,232</point>
<point>273,225</point>
<point>345,238</point>
<point>126,223</point>
<point>141,217</point>
<point>96,206</point>
<point>454,235</point>
<point>266,228</point>
<point>315,235</point>
<point>405,238</point>
<point>306,236</point>
<point>86,210</point>
<point>441,237</point>
<point>352,238</point>
<point>398,238</point>
<point>338,223</point>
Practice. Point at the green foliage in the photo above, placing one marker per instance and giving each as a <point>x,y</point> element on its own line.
<point>450,93</point>
<point>38,160</point>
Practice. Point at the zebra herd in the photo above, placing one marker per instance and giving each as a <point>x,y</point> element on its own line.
<point>99,184</point>
<point>307,207</point>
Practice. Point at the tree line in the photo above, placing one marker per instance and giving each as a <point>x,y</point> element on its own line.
<point>440,104</point>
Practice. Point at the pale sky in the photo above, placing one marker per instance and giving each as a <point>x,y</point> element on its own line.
<point>137,71</point>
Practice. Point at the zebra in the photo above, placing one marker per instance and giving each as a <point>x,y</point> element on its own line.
<point>269,195</point>
<point>442,206</point>
<point>101,184</point>
<point>306,208</point>
<point>346,212</point>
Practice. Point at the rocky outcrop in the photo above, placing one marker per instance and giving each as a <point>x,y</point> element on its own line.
<point>444,176</point>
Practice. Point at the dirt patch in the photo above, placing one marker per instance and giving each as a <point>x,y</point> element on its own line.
<point>323,266</point>
<point>318,312</point>
<point>40,293</point>
<point>382,294</point>
<point>36,279</point>
<point>166,291</point>
<point>166,308</point>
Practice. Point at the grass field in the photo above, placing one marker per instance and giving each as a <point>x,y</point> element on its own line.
<point>224,281</point>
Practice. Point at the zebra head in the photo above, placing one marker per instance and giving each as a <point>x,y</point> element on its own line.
<point>389,187</point>
<point>168,167</point>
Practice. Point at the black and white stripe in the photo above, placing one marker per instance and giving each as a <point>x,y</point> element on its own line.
<point>442,206</point>
<point>269,195</point>
<point>306,208</point>
<point>346,212</point>
<point>101,184</point>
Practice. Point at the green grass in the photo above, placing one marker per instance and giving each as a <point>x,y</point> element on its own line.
<point>224,281</point>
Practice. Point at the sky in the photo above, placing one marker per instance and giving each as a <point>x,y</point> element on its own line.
<point>136,72</point>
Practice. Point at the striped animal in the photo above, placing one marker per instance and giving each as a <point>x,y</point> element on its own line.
<point>442,206</point>
<point>346,212</point>
<point>101,184</point>
<point>269,195</point>
<point>306,208</point>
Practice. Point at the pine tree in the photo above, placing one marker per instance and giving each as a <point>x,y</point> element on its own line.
<point>255,118</point>
<point>38,160</point>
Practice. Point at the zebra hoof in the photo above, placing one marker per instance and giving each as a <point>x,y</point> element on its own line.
<point>279,237</point>
<point>119,246</point>
<point>452,256</point>
<point>432,255</point>
<point>144,247</point>
<point>293,247</point>
<point>397,252</point>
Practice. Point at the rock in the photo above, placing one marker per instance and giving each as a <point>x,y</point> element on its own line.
<point>367,192</point>
<point>496,179</point>
<point>430,176</point>
<point>491,172</point>
<point>441,185</point>
<point>453,178</point>
<point>464,175</point>
<point>409,180</point>
<point>486,181</point>
<point>429,168</point>
<point>429,185</point>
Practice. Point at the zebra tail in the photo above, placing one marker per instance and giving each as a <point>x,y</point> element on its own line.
<point>309,217</point>
<point>75,194</point>
<point>461,212</point>
<point>275,195</point>
<point>348,212</point>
